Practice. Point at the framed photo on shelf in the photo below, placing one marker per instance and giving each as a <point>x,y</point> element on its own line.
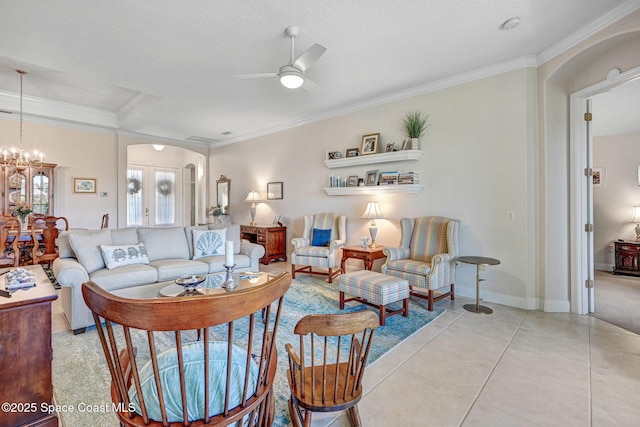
<point>370,144</point>
<point>353,152</point>
<point>274,190</point>
<point>371,178</point>
<point>353,181</point>
<point>276,220</point>
<point>334,154</point>
<point>389,147</point>
<point>405,144</point>
<point>84,185</point>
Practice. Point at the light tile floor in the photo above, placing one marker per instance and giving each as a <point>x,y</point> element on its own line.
<point>511,368</point>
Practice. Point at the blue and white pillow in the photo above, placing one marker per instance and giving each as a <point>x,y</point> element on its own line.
<point>208,242</point>
<point>121,255</point>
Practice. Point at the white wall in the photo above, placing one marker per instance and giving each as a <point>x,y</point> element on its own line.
<point>619,155</point>
<point>476,166</point>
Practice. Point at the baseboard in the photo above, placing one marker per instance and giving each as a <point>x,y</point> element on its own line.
<point>557,306</point>
<point>604,267</point>
<point>509,300</point>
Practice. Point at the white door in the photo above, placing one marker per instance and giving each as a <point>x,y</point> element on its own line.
<point>589,211</point>
<point>153,196</point>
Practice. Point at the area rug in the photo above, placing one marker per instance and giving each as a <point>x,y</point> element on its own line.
<point>49,271</point>
<point>81,379</point>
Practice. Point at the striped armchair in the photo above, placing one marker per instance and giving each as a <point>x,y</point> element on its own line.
<point>426,256</point>
<point>323,236</point>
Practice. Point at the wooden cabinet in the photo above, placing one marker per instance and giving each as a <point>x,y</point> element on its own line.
<point>32,185</point>
<point>272,237</point>
<point>25,355</point>
<point>627,256</point>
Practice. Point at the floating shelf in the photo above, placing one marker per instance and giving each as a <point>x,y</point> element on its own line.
<point>394,156</point>
<point>374,189</point>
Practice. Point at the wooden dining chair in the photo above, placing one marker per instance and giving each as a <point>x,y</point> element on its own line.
<point>105,221</point>
<point>10,230</point>
<point>327,375</point>
<point>162,374</point>
<point>44,233</point>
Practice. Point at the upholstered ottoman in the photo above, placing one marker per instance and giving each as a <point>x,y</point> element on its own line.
<point>376,290</point>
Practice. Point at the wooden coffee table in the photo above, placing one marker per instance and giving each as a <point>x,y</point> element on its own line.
<point>213,284</point>
<point>367,255</point>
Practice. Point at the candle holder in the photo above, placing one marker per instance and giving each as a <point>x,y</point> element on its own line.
<point>229,283</point>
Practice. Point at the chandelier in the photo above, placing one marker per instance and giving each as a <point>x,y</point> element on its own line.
<point>19,157</point>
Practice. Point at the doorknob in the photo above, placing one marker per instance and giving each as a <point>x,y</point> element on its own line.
<point>146,211</point>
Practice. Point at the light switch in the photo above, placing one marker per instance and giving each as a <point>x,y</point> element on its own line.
<point>511,216</point>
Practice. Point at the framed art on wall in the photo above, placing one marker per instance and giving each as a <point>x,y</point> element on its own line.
<point>84,185</point>
<point>274,190</point>
<point>598,177</point>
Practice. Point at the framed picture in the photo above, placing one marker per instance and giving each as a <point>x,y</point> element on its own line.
<point>274,190</point>
<point>371,178</point>
<point>598,177</point>
<point>369,144</point>
<point>353,181</point>
<point>334,154</point>
<point>84,185</point>
<point>405,144</point>
<point>353,152</point>
<point>389,147</point>
<point>276,220</point>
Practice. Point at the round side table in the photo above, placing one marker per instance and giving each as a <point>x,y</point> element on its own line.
<point>478,261</point>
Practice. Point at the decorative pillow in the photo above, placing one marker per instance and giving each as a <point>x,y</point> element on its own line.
<point>208,242</point>
<point>193,355</point>
<point>321,237</point>
<point>118,256</point>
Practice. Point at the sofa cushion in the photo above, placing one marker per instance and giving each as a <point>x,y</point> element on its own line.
<point>169,269</point>
<point>193,362</point>
<point>121,255</point>
<point>64,246</point>
<point>164,243</point>
<point>125,277</point>
<point>209,242</point>
<point>124,236</point>
<point>410,266</point>
<point>318,251</point>
<point>216,262</point>
<point>233,234</point>
<point>86,246</point>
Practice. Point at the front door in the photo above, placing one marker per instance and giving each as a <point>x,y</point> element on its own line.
<point>153,197</point>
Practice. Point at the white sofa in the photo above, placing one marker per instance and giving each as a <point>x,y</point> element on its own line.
<point>169,255</point>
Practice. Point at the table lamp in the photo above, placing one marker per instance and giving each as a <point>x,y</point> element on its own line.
<point>253,197</point>
<point>636,219</point>
<point>373,212</point>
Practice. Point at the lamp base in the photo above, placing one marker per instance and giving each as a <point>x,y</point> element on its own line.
<point>637,232</point>
<point>253,223</point>
<point>373,231</point>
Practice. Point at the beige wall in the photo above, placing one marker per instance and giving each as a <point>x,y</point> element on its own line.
<point>477,165</point>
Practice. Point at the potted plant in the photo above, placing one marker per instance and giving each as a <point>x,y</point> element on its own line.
<point>216,211</point>
<point>415,123</point>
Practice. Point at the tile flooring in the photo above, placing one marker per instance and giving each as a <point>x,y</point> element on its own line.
<point>511,368</point>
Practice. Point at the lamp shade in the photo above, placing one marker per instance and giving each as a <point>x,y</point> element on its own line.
<point>373,211</point>
<point>636,214</point>
<point>253,196</point>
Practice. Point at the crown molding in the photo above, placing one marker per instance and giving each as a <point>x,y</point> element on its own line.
<point>599,24</point>
<point>477,74</point>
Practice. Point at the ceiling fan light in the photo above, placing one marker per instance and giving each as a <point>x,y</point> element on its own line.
<point>291,80</point>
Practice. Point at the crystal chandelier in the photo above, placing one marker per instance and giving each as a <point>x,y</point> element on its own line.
<point>19,157</point>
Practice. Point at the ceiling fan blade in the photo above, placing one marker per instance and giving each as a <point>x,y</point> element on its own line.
<point>309,57</point>
<point>254,76</point>
<point>311,86</point>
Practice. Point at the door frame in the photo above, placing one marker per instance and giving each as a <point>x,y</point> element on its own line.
<point>581,259</point>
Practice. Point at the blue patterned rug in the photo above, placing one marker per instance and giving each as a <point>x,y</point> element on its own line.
<point>81,378</point>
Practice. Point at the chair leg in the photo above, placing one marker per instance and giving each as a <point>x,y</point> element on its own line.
<point>354,416</point>
<point>293,413</point>
<point>330,275</point>
<point>293,271</point>
<point>430,305</point>
<point>453,294</point>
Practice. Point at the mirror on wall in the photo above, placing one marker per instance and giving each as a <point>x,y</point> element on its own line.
<point>223,188</point>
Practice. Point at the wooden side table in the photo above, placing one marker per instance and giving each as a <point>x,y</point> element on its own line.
<point>25,359</point>
<point>480,262</point>
<point>367,255</point>
<point>272,237</point>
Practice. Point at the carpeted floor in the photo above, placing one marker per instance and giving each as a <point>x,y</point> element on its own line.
<point>617,300</point>
<point>81,378</point>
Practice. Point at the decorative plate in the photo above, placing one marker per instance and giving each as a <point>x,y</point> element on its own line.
<point>14,197</point>
<point>189,280</point>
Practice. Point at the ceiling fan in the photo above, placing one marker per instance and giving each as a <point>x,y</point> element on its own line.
<point>292,75</point>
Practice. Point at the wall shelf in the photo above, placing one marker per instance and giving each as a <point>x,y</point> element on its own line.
<point>395,156</point>
<point>373,189</point>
